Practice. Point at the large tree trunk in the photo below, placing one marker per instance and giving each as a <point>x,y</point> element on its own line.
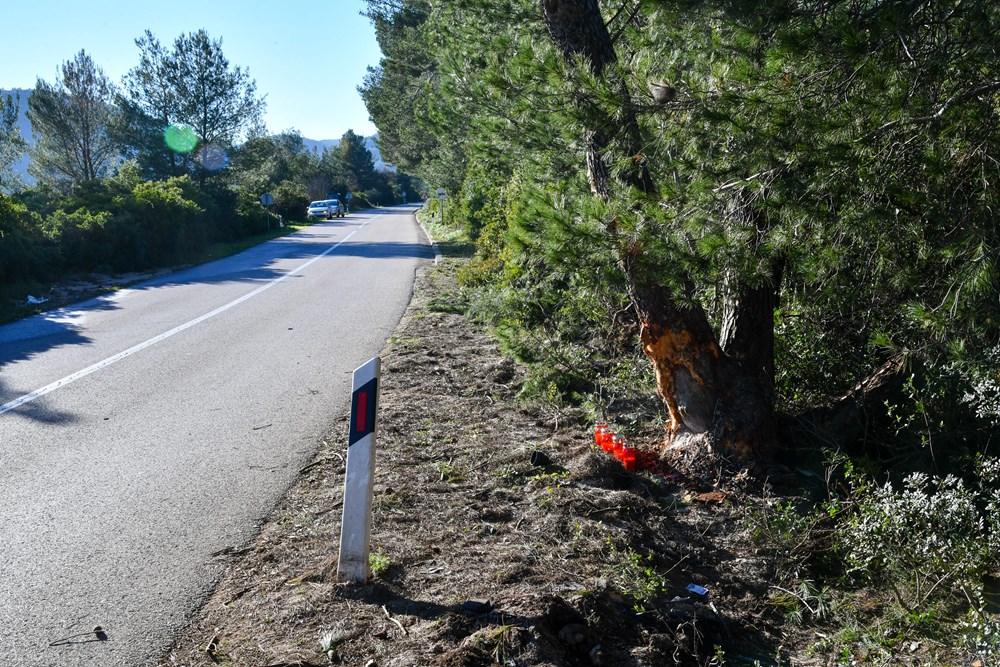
<point>747,334</point>
<point>706,392</point>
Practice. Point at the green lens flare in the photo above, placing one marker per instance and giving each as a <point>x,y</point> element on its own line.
<point>180,137</point>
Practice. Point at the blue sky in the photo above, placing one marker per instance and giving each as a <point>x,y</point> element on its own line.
<point>307,56</point>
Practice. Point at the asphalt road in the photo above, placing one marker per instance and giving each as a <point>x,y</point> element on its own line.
<point>145,431</point>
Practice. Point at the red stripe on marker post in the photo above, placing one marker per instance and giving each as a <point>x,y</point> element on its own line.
<point>362,412</point>
<point>364,402</point>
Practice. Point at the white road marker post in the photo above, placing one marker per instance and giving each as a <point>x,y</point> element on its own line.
<point>356,527</point>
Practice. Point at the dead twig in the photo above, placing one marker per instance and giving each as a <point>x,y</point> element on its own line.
<point>398,624</point>
<point>602,510</point>
<point>311,466</point>
<point>321,462</point>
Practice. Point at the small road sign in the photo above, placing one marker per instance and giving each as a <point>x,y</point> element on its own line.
<point>267,199</point>
<point>441,194</point>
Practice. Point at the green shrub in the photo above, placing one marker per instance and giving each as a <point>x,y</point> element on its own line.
<point>290,200</point>
<point>80,238</point>
<point>24,252</point>
<point>220,217</point>
<point>928,545</point>
<point>251,212</point>
<point>880,564</point>
<point>931,540</point>
<point>156,225</point>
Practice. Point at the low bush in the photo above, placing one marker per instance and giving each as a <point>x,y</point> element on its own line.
<point>888,563</point>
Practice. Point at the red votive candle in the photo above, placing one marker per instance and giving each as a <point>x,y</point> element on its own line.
<point>607,440</point>
<point>598,427</point>
<point>628,458</point>
<point>617,443</point>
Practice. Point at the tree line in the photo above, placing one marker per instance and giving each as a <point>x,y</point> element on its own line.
<point>149,171</point>
<point>788,207</point>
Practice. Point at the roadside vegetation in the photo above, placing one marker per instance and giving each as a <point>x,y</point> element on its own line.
<point>777,222</point>
<point>503,536</point>
<point>128,178</point>
<point>759,238</point>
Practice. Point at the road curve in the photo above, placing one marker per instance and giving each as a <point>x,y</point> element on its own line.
<point>144,431</point>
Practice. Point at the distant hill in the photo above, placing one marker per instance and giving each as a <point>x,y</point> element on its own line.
<point>318,145</point>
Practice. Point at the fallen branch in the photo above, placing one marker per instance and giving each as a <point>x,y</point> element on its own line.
<point>398,624</point>
<point>602,510</point>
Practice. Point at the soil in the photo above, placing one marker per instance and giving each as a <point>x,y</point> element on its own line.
<point>501,536</point>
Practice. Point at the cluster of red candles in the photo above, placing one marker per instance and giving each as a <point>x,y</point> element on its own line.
<point>605,438</point>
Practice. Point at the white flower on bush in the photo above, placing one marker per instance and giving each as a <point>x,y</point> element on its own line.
<point>984,387</point>
<point>933,538</point>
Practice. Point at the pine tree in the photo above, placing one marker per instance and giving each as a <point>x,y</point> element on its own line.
<point>149,104</point>
<point>400,94</point>
<point>71,122</point>
<point>12,144</point>
<point>220,102</point>
<point>261,162</point>
<point>797,196</point>
<point>193,85</point>
<point>357,162</point>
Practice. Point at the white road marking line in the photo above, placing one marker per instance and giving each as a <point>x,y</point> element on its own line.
<point>69,379</point>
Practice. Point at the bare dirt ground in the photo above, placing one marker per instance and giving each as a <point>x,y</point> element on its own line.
<point>501,537</point>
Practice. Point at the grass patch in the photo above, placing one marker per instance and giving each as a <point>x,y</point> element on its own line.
<point>452,241</point>
<point>378,562</point>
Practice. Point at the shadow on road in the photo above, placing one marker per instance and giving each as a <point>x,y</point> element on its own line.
<point>391,250</point>
<point>24,339</point>
<point>56,328</point>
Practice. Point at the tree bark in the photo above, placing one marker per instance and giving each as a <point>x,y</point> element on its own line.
<point>705,391</point>
<point>747,334</point>
<point>578,30</point>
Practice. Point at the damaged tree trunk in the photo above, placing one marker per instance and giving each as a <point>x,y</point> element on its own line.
<point>712,398</point>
